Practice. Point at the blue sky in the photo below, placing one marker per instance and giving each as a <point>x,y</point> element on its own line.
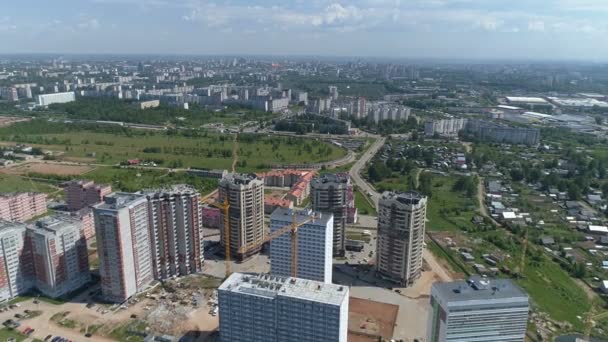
<point>497,29</point>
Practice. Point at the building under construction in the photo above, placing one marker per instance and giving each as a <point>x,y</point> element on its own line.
<point>244,194</point>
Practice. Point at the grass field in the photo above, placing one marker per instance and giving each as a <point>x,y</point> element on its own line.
<point>5,334</point>
<point>12,183</point>
<point>449,210</point>
<point>363,205</point>
<point>205,151</point>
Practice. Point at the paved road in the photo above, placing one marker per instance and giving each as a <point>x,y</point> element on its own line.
<point>355,171</point>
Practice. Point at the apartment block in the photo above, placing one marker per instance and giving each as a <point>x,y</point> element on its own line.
<point>245,194</point>
<point>480,309</point>
<point>22,206</point>
<point>81,194</point>
<point>315,244</point>
<point>176,231</point>
<point>124,245</point>
<point>400,242</point>
<point>16,267</point>
<point>266,308</point>
<point>59,254</point>
<point>49,99</point>
<point>333,193</point>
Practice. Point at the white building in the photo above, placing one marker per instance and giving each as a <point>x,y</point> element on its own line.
<point>16,269</point>
<point>124,245</point>
<point>480,310</point>
<point>49,99</point>
<point>315,243</point>
<point>266,308</point>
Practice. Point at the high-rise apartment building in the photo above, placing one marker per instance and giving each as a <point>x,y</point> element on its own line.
<point>315,243</point>
<point>333,92</point>
<point>59,254</point>
<point>400,242</point>
<point>479,309</point>
<point>245,194</point>
<point>16,267</point>
<point>81,194</point>
<point>266,308</point>
<point>124,245</point>
<point>176,231</point>
<point>332,193</point>
<point>49,99</point>
<point>22,206</point>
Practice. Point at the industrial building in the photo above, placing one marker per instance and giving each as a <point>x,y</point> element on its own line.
<point>266,308</point>
<point>480,309</point>
<point>314,244</point>
<point>44,100</point>
<point>245,195</point>
<point>333,193</point>
<point>81,193</point>
<point>124,245</point>
<point>176,231</point>
<point>59,255</point>
<point>400,242</point>
<point>22,206</point>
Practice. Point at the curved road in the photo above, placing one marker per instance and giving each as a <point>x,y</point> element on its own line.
<point>355,174</point>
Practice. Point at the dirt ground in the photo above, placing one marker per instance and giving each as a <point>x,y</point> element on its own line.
<point>52,169</point>
<point>367,317</point>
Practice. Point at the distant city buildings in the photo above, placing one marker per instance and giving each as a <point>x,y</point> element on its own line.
<point>176,231</point>
<point>381,111</point>
<point>444,127</point>
<point>480,309</point>
<point>333,193</point>
<point>81,194</point>
<point>400,242</point>
<point>44,100</point>
<point>148,104</point>
<point>483,130</point>
<point>22,206</point>
<point>124,245</point>
<point>245,195</point>
<point>315,244</point>
<point>262,308</point>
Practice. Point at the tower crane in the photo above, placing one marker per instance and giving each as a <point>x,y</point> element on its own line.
<point>225,206</point>
<point>291,228</point>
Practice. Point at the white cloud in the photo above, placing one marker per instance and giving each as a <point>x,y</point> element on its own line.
<point>536,25</point>
<point>88,24</point>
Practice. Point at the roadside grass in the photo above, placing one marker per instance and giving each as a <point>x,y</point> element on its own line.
<point>363,205</point>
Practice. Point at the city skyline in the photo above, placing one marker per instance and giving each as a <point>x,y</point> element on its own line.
<point>458,29</point>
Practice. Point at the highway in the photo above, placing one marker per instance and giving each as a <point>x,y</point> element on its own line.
<point>355,171</point>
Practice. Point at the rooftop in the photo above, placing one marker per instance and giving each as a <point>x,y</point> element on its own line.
<point>409,197</point>
<point>338,178</point>
<point>172,190</point>
<point>118,200</point>
<point>526,99</point>
<point>239,178</point>
<point>478,289</point>
<point>269,286</point>
<point>286,214</point>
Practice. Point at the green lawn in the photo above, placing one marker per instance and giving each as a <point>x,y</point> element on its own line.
<point>122,332</point>
<point>363,205</point>
<point>357,236</point>
<point>449,210</point>
<point>7,333</point>
<point>12,183</point>
<point>204,151</point>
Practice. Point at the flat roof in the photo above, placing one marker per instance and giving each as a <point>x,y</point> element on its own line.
<point>408,197</point>
<point>526,99</point>
<point>478,289</point>
<point>286,214</point>
<point>118,200</point>
<point>270,286</point>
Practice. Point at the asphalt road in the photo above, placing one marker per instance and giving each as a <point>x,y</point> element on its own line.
<point>355,171</point>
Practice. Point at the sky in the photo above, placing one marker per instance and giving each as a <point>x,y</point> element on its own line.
<point>445,29</point>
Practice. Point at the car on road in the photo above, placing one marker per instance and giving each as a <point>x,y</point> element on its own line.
<point>48,337</point>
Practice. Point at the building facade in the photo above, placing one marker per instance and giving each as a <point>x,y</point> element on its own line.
<point>400,242</point>
<point>59,254</point>
<point>332,193</point>
<point>176,231</point>
<point>266,308</point>
<point>479,309</point>
<point>22,206</point>
<point>81,194</point>
<point>124,245</point>
<point>315,244</point>
<point>49,99</point>
<point>16,267</point>
<point>245,195</point>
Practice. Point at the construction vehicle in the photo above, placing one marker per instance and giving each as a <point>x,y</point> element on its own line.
<point>291,228</point>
